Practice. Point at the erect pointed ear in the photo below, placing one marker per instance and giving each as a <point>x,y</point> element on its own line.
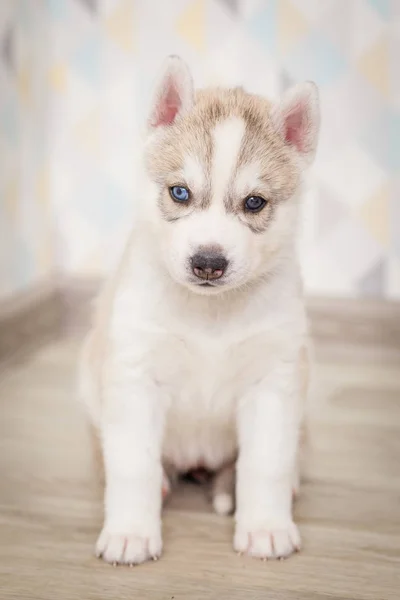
<point>173,95</point>
<point>296,117</point>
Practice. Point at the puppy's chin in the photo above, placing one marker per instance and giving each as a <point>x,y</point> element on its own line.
<point>204,289</point>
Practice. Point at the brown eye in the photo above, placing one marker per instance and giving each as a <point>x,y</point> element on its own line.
<point>254,204</point>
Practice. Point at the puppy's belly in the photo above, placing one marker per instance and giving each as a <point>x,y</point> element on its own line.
<point>200,433</point>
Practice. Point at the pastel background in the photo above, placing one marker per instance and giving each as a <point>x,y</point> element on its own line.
<point>75,76</point>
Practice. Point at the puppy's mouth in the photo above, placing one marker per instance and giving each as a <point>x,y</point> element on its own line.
<point>208,287</point>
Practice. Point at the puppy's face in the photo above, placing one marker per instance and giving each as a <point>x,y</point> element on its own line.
<point>225,169</point>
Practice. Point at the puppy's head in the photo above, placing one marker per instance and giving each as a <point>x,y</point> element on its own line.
<point>224,169</point>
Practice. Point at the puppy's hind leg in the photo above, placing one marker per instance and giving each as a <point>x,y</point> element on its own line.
<point>169,481</point>
<point>223,490</point>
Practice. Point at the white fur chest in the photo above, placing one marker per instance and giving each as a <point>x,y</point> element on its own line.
<point>203,356</point>
<point>200,390</point>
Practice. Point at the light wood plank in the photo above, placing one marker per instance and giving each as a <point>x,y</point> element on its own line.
<point>348,510</point>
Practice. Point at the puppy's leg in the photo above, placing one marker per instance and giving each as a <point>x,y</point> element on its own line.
<point>296,482</point>
<point>268,425</point>
<point>131,431</point>
<point>170,478</point>
<point>223,490</point>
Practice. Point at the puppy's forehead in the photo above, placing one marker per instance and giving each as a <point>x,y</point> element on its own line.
<point>227,137</point>
<point>227,133</point>
<point>195,135</point>
<point>222,122</point>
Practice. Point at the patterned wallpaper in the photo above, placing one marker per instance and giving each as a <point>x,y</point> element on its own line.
<point>25,228</point>
<point>77,76</point>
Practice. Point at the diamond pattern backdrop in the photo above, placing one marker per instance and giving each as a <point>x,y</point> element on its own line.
<point>76,75</point>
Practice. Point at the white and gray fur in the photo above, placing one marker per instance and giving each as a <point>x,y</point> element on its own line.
<point>177,373</point>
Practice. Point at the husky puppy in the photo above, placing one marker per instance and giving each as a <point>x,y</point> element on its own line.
<point>198,353</point>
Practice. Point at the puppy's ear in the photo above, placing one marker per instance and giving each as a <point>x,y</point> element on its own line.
<point>173,95</point>
<point>296,117</point>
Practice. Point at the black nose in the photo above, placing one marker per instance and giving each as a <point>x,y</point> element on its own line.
<point>209,265</point>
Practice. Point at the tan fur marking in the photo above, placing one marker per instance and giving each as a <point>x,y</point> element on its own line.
<point>192,134</point>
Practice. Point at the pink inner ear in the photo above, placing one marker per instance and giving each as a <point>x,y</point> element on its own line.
<point>169,105</point>
<point>296,127</point>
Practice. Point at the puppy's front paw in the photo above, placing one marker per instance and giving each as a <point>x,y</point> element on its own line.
<point>274,542</point>
<point>128,549</point>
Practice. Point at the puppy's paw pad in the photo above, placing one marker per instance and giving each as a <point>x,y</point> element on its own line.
<point>130,549</point>
<point>268,543</point>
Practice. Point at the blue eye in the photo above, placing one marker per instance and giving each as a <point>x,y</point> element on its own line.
<point>179,193</point>
<point>254,204</point>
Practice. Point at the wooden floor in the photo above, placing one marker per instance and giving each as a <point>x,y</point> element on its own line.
<point>348,510</point>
